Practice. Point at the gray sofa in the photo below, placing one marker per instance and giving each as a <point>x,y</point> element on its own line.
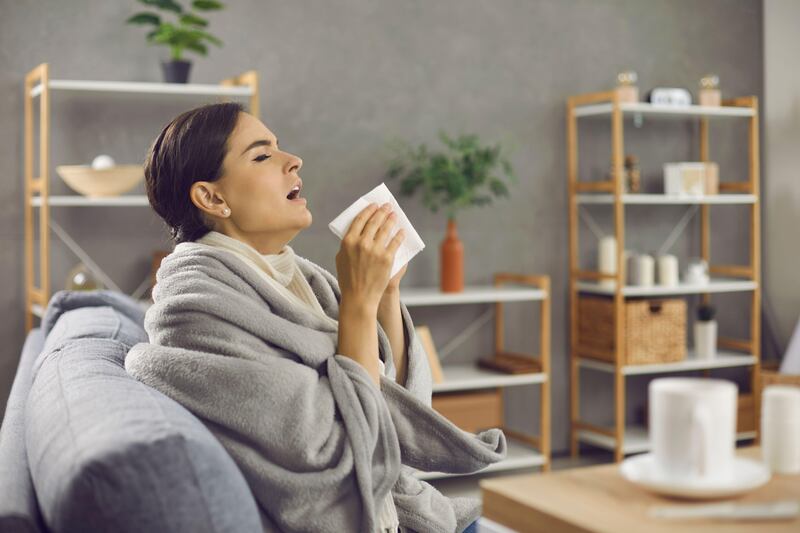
<point>84,447</point>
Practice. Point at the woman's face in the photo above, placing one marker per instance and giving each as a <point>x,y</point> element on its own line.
<point>256,185</point>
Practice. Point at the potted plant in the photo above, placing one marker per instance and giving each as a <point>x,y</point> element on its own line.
<point>705,333</point>
<point>464,175</point>
<point>187,33</point>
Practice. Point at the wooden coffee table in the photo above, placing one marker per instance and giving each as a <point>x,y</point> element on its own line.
<point>599,499</point>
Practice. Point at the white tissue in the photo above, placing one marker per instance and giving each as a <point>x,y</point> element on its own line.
<point>412,244</point>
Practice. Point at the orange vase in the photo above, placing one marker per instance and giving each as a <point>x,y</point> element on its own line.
<point>452,260</point>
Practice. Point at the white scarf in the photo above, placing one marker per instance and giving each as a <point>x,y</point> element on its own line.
<point>281,271</point>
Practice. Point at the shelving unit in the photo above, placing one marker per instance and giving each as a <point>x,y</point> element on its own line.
<point>470,377</point>
<point>620,439</point>
<point>636,439</point>
<point>663,199</point>
<point>37,189</point>
<point>717,285</point>
<point>524,451</point>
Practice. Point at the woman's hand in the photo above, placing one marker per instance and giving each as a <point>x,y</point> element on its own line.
<point>394,283</point>
<point>363,267</point>
<point>365,258</point>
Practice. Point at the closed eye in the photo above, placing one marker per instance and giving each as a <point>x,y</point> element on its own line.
<point>262,157</point>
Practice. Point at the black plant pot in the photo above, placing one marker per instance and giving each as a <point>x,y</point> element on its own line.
<point>176,71</point>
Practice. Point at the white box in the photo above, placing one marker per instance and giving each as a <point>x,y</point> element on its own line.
<point>685,179</point>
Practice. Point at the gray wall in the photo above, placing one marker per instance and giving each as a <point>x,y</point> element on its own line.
<point>341,78</point>
<point>781,139</point>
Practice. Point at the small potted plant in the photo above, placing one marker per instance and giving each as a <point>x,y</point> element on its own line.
<point>705,333</point>
<point>466,174</point>
<point>187,33</point>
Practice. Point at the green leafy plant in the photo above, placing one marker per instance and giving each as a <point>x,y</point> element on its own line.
<point>466,174</point>
<point>187,33</point>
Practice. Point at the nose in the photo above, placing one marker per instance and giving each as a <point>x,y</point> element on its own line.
<point>293,163</point>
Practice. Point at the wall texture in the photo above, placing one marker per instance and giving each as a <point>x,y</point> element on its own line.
<point>781,139</point>
<point>340,79</point>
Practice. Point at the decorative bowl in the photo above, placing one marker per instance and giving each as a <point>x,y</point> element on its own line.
<point>98,183</point>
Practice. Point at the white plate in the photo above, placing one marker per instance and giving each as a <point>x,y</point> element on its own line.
<point>747,475</point>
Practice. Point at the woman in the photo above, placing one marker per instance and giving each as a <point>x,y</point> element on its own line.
<point>317,387</point>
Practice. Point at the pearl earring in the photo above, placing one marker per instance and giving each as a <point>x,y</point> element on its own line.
<point>226,211</point>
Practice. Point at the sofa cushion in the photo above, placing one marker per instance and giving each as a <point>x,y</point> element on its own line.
<point>63,301</point>
<point>93,314</point>
<point>95,323</point>
<point>108,453</point>
<point>19,511</point>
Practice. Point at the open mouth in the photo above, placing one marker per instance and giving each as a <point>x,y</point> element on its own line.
<point>294,194</point>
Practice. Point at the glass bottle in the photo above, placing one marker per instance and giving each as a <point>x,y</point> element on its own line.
<point>710,94</point>
<point>80,278</point>
<point>627,91</point>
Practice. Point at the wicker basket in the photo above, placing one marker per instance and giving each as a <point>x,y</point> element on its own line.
<point>655,330</point>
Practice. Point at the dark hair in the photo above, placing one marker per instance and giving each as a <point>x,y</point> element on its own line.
<point>189,149</point>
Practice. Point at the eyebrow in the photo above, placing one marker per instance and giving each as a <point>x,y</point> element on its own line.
<point>260,142</point>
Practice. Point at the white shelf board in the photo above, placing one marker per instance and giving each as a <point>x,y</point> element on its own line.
<point>85,201</point>
<point>135,87</point>
<point>665,199</point>
<point>665,110</point>
<point>713,286</point>
<point>636,439</point>
<point>470,377</point>
<point>520,455</point>
<point>475,294</point>
<point>723,360</point>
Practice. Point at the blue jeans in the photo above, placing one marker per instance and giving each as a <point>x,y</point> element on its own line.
<point>472,528</point>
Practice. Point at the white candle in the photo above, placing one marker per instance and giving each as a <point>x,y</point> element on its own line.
<point>626,266</point>
<point>645,266</point>
<point>780,428</point>
<point>607,259</point>
<point>668,270</point>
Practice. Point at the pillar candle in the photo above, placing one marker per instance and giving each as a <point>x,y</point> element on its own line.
<point>607,260</point>
<point>645,266</point>
<point>668,270</point>
<point>631,268</point>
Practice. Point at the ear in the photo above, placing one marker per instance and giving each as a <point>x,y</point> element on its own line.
<point>205,195</point>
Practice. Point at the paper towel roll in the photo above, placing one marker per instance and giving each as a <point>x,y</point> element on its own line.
<point>668,270</point>
<point>607,259</point>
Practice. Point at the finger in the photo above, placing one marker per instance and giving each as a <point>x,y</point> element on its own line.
<point>375,222</point>
<point>385,230</point>
<point>396,241</point>
<point>357,226</point>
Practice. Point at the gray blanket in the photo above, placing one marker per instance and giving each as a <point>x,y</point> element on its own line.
<point>316,440</point>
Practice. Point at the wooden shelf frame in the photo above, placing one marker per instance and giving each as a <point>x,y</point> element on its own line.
<point>525,450</point>
<point>543,440</point>
<point>38,84</point>
<point>607,104</point>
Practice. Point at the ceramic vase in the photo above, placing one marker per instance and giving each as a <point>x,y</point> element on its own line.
<point>452,260</point>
